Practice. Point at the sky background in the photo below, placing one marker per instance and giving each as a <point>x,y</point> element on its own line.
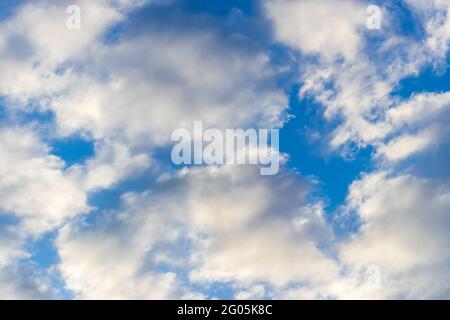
<point>91,206</point>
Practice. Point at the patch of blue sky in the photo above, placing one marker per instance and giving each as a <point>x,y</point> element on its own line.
<point>220,8</point>
<point>303,138</point>
<point>3,112</point>
<point>225,18</point>
<point>432,79</point>
<point>73,150</point>
<point>43,250</point>
<point>402,19</point>
<point>112,35</point>
<point>8,219</point>
<point>9,7</point>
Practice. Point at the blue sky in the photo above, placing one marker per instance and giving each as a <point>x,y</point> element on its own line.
<point>91,205</point>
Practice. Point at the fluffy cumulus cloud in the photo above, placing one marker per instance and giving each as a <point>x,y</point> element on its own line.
<point>404,233</point>
<point>137,101</point>
<point>36,41</point>
<point>331,28</point>
<point>219,225</point>
<point>35,285</point>
<point>34,184</point>
<point>137,70</point>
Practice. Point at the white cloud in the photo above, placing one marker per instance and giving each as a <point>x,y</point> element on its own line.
<point>34,184</point>
<point>329,29</point>
<point>35,285</point>
<point>160,82</point>
<point>98,265</point>
<point>112,163</point>
<point>404,232</point>
<point>405,146</point>
<point>418,125</point>
<point>35,43</point>
<point>421,108</point>
<point>140,88</point>
<point>399,251</point>
<point>205,221</point>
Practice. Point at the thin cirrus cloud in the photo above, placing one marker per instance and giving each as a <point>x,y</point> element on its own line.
<point>135,73</point>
